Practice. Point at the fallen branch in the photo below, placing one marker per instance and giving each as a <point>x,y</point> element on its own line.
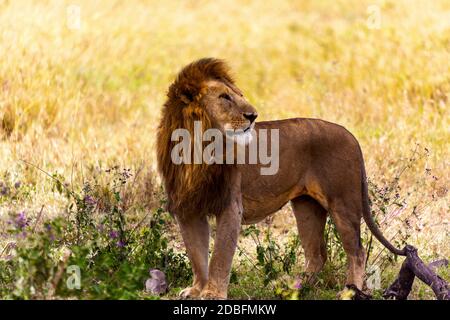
<point>413,267</point>
<point>438,264</point>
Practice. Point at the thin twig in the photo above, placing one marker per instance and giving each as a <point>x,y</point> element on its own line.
<point>38,218</point>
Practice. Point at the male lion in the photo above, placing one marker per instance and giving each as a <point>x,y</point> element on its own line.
<point>321,171</point>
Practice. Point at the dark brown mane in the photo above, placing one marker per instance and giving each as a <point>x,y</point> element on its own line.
<point>188,83</point>
<point>198,189</point>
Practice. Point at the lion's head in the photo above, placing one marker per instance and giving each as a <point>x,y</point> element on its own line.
<point>203,91</point>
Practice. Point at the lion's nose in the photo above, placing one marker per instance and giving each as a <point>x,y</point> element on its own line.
<point>250,116</point>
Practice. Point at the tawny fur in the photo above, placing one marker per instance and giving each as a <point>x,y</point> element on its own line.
<point>321,171</point>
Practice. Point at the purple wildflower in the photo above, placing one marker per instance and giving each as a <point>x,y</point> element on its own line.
<point>4,190</point>
<point>17,185</point>
<point>21,220</point>
<point>113,234</point>
<point>50,234</point>
<point>120,244</point>
<point>90,201</point>
<point>298,284</point>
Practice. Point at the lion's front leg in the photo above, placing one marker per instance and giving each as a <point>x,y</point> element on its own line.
<point>195,233</point>
<point>228,228</point>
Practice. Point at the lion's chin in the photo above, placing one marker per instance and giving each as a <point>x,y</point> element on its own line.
<point>244,138</point>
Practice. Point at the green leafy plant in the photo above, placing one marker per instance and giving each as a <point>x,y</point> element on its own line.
<point>272,259</point>
<point>113,255</point>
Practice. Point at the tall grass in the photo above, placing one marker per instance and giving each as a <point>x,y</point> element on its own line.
<point>76,100</point>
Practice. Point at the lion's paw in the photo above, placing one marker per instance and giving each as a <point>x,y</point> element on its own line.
<point>212,295</point>
<point>189,293</point>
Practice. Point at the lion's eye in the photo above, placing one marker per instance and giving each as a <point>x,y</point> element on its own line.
<point>225,96</point>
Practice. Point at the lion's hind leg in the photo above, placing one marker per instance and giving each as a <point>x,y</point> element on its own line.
<point>311,218</point>
<point>347,218</point>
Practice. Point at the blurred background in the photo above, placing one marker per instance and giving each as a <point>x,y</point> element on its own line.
<point>82,84</point>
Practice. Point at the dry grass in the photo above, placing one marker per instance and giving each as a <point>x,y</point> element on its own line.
<point>75,99</point>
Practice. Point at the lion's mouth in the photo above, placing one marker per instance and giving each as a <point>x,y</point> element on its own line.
<point>240,131</point>
<point>247,129</point>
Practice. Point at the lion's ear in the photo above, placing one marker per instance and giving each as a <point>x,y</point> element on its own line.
<point>187,92</point>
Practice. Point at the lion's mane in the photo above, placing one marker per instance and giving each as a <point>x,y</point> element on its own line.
<point>192,189</point>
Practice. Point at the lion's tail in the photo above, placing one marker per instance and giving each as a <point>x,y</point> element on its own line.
<point>369,219</point>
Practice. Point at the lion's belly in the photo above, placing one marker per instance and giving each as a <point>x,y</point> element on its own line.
<point>259,205</point>
<point>254,212</point>
<point>263,195</point>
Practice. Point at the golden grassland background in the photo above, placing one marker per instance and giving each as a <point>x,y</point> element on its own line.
<point>74,99</point>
